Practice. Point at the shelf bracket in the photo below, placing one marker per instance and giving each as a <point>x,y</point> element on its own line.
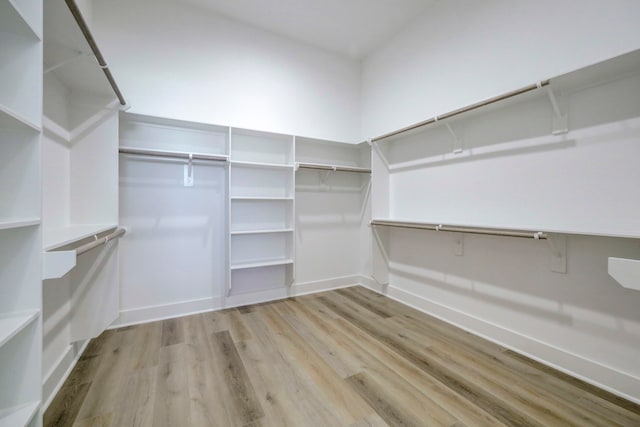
<point>458,241</point>
<point>457,141</point>
<point>558,245</point>
<point>188,172</point>
<point>560,122</point>
<point>376,148</point>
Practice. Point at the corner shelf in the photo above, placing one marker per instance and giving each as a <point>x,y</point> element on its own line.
<point>10,326</point>
<point>19,416</point>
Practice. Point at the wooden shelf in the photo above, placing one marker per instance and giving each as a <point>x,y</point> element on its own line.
<point>19,416</point>
<point>258,264</point>
<point>18,223</point>
<point>12,325</point>
<point>56,237</point>
<point>10,119</point>
<point>243,232</point>
<point>13,20</point>
<point>260,165</point>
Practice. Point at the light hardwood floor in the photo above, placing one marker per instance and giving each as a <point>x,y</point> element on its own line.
<point>340,358</point>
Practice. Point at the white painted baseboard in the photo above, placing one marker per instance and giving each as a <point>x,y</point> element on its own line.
<point>185,308</point>
<point>56,377</point>
<point>605,377</point>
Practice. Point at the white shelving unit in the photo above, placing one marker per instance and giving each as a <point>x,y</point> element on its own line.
<point>261,211</point>
<point>80,189</point>
<point>20,231</point>
<point>80,148</point>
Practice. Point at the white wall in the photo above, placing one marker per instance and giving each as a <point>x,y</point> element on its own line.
<point>178,61</point>
<point>464,51</point>
<point>174,249</point>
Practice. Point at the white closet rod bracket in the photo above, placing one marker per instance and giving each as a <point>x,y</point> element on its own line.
<point>560,122</point>
<point>188,172</point>
<point>558,260</point>
<point>457,141</point>
<point>374,145</point>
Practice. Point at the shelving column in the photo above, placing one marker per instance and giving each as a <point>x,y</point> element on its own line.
<point>20,232</point>
<point>261,225</point>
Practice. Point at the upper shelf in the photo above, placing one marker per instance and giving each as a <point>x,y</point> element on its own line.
<point>54,238</point>
<point>337,168</point>
<point>260,165</point>
<point>594,75</point>
<point>68,55</point>
<point>23,19</point>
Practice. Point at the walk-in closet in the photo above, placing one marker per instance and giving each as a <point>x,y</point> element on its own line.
<point>319,213</point>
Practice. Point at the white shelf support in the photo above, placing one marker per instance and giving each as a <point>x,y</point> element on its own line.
<point>625,271</point>
<point>560,123</point>
<point>457,141</point>
<point>558,260</point>
<point>188,172</point>
<point>373,144</point>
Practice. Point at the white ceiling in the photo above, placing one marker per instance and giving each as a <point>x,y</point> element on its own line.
<point>349,27</point>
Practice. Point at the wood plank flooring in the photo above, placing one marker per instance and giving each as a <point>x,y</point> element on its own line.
<point>348,357</point>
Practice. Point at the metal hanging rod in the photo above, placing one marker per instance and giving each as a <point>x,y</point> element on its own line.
<point>173,154</point>
<point>337,168</point>
<point>537,235</point>
<point>464,110</point>
<point>77,15</point>
<point>100,241</point>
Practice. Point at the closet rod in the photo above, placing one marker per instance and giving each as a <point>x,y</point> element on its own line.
<point>173,154</point>
<point>77,15</point>
<point>464,110</point>
<point>99,242</point>
<point>332,167</point>
<point>537,235</point>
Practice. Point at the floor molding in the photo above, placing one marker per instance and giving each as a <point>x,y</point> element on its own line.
<point>590,371</point>
<point>57,375</point>
<point>184,308</point>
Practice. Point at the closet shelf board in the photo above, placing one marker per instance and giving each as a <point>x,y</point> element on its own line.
<point>260,165</point>
<point>18,223</point>
<point>57,237</point>
<point>259,198</point>
<point>19,416</point>
<point>242,266</point>
<point>13,21</point>
<point>10,119</point>
<point>12,325</point>
<point>279,230</point>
